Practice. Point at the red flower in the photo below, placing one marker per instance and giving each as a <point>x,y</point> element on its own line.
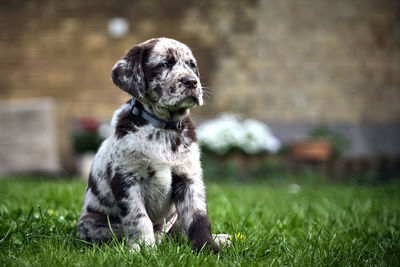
<point>89,124</point>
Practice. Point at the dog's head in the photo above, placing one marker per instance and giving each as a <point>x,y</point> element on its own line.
<point>162,74</point>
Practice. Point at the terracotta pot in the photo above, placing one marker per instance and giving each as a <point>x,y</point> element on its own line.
<point>318,150</point>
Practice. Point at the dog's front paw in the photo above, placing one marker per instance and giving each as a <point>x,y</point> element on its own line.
<point>159,236</point>
<point>145,242</point>
<point>222,239</point>
<point>207,246</point>
<point>216,248</point>
<point>135,248</point>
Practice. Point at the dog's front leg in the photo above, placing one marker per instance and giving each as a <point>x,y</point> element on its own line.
<point>136,223</point>
<point>190,201</point>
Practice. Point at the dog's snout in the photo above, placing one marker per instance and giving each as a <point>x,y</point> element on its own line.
<point>190,82</point>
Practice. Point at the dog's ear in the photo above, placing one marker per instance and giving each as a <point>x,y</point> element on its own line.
<point>128,74</point>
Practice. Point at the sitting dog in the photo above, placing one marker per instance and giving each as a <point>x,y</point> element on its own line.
<point>146,178</point>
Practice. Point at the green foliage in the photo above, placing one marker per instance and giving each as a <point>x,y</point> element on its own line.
<point>339,143</point>
<point>86,141</point>
<point>316,225</point>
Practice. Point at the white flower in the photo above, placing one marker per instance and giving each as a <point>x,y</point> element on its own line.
<point>227,132</point>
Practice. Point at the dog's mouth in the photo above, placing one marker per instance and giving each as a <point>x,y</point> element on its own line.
<point>185,103</point>
<point>191,101</point>
<point>181,108</point>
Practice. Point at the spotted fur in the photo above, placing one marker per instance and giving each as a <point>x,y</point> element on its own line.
<point>142,176</point>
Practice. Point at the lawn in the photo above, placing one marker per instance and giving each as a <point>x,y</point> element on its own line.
<point>280,224</point>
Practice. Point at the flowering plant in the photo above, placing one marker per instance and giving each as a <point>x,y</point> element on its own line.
<point>89,133</point>
<point>228,132</point>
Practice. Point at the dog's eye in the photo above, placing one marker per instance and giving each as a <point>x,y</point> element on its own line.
<point>162,65</point>
<point>171,62</point>
<point>192,65</point>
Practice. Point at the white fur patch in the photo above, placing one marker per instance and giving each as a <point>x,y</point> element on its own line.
<point>163,174</point>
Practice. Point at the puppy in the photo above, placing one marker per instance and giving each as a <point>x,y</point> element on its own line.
<point>146,178</point>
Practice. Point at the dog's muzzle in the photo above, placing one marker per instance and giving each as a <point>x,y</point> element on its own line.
<point>192,96</point>
<point>190,82</point>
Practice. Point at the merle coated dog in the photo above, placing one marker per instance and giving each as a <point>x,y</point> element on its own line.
<point>146,178</point>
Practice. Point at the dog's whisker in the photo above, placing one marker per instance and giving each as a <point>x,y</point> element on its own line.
<point>207,97</point>
<point>207,94</point>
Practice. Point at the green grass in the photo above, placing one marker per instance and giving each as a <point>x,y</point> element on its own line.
<point>320,225</point>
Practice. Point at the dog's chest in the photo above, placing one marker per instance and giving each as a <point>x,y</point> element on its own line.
<point>160,177</point>
<point>157,191</point>
<point>152,155</point>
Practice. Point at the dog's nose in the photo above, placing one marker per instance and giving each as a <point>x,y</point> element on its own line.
<point>190,82</point>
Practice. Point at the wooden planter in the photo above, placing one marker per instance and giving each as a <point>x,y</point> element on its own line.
<point>311,150</point>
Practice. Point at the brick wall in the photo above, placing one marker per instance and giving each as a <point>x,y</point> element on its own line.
<point>315,61</point>
<point>280,60</point>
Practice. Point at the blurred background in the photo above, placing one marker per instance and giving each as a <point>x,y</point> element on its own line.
<point>293,85</point>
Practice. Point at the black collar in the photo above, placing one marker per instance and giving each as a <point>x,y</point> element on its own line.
<point>156,121</point>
